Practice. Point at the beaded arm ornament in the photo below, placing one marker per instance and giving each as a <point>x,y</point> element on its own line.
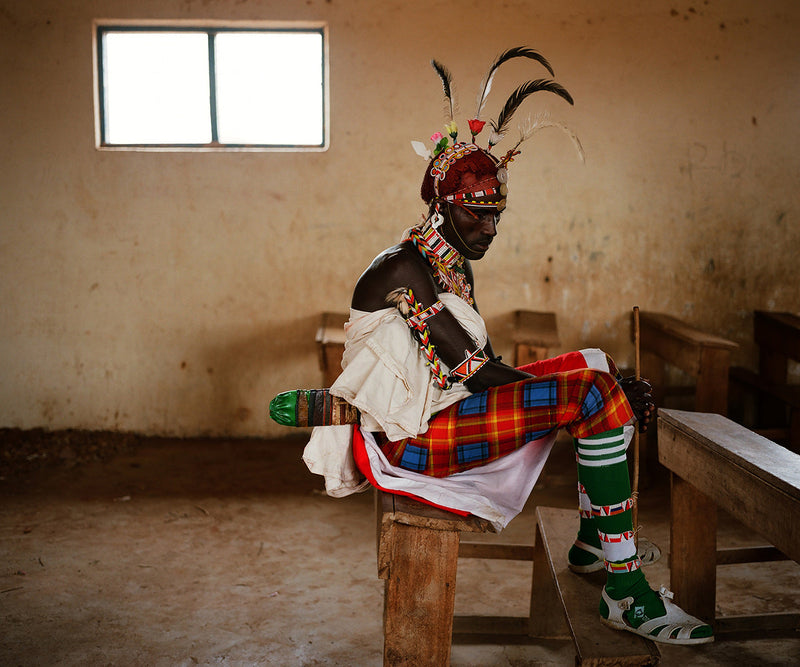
<point>416,317</point>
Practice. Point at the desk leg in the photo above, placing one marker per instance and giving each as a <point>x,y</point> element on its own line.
<point>772,367</point>
<point>693,550</point>
<point>712,381</point>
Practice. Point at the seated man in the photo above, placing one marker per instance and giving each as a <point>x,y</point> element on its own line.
<point>437,404</point>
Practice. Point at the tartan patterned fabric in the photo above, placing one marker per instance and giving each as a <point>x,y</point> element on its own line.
<point>495,422</point>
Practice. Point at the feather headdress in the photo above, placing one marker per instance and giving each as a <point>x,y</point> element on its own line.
<point>447,87</point>
<point>541,122</point>
<point>500,126</point>
<point>516,52</point>
<point>478,177</point>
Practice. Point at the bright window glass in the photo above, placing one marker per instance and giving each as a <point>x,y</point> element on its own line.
<point>157,88</point>
<point>269,88</point>
<point>211,87</point>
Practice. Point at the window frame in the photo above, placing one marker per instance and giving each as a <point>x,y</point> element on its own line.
<point>210,28</point>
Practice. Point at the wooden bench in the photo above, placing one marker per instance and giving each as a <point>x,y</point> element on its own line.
<point>330,343</point>
<point>534,334</point>
<point>418,551</point>
<point>667,340</point>
<point>778,338</point>
<point>715,462</point>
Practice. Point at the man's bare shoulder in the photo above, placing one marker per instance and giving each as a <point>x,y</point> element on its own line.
<point>397,256</point>
<point>398,266</point>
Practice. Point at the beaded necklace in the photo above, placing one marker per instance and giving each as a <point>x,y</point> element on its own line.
<point>447,262</point>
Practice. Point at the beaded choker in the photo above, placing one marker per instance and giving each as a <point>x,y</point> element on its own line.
<point>447,262</point>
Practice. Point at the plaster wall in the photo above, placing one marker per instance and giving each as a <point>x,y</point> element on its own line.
<point>175,293</point>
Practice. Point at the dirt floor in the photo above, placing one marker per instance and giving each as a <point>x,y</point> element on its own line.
<point>228,553</point>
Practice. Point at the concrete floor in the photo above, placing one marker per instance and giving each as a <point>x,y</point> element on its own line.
<point>228,553</point>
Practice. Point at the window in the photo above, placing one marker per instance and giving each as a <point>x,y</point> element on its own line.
<point>174,87</point>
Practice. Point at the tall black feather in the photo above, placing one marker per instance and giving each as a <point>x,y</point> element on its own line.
<point>516,52</point>
<point>447,83</point>
<point>500,126</point>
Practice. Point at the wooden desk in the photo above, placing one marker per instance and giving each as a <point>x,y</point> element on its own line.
<point>534,335</point>
<point>330,342</point>
<point>778,338</point>
<point>704,356</point>
<point>715,462</point>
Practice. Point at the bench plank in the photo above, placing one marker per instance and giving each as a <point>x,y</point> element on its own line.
<point>737,445</point>
<point>596,644</point>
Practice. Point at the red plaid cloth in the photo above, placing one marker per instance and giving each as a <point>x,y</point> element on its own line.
<point>485,426</point>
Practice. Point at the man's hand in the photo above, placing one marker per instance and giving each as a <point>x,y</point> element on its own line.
<point>638,393</point>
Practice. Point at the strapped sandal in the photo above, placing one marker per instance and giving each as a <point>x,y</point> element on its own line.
<point>594,566</point>
<point>674,627</point>
<point>649,553</point>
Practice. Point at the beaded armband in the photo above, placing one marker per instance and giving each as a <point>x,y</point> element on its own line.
<point>416,317</point>
<point>418,320</point>
<point>467,368</point>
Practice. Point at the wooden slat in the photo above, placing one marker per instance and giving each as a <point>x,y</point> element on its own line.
<point>786,393</point>
<point>693,548</point>
<point>596,644</point>
<point>490,550</point>
<point>330,343</point>
<point>491,625</point>
<point>331,328</point>
<point>737,555</point>
<point>685,333</point>
<point>410,512</point>
<point>756,627</point>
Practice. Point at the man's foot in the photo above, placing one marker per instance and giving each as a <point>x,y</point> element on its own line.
<point>584,558</point>
<point>651,614</point>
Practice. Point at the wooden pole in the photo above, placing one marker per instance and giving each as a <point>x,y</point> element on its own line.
<point>635,485</point>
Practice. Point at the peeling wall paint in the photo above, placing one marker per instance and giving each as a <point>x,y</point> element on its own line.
<point>175,293</point>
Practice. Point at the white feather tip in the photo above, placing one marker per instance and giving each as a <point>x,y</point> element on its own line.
<point>421,149</point>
